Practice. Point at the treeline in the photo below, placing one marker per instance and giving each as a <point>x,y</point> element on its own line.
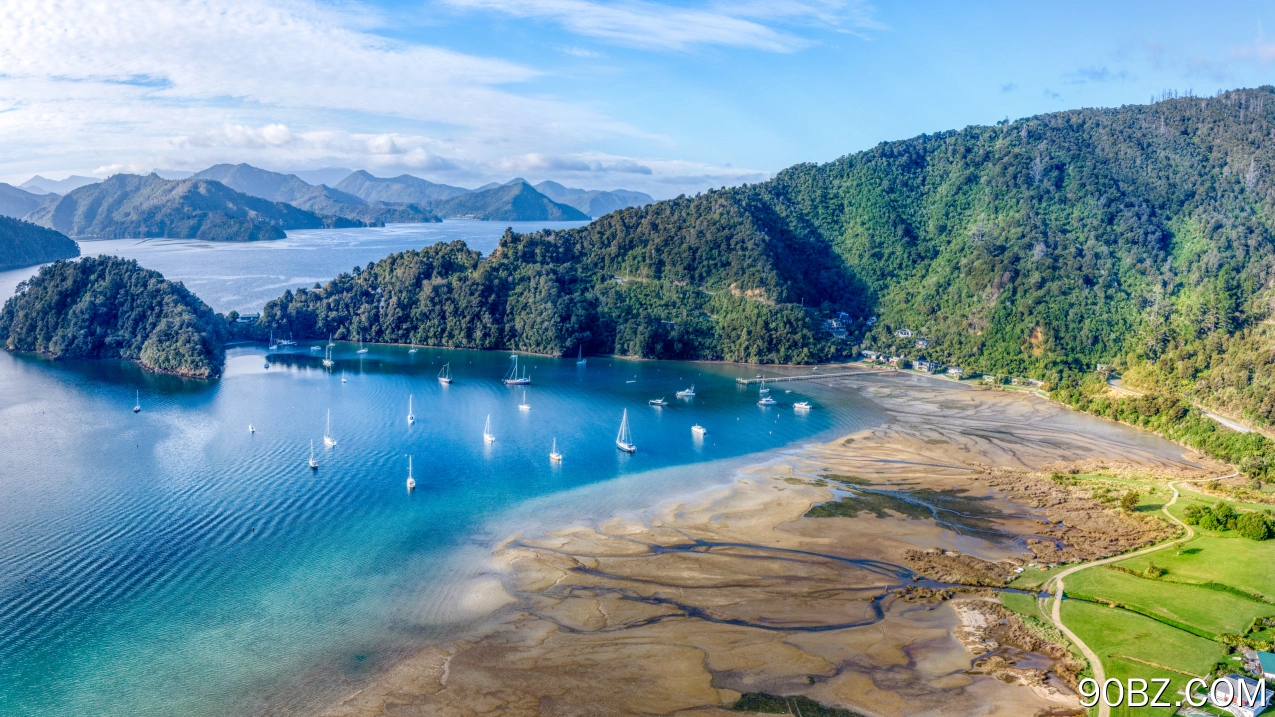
<point>1177,420</point>
<point>25,244</point>
<point>637,282</point>
<point>110,308</point>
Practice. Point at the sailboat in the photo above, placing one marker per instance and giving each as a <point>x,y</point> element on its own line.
<point>330,344</point>
<point>287,342</point>
<point>412,350</point>
<point>327,356</point>
<point>252,428</point>
<point>411,418</point>
<point>763,391</point>
<point>137,407</point>
<point>524,406</point>
<point>624,439</point>
<point>487,434</point>
<point>411,482</point>
<point>328,440</point>
<point>362,348</point>
<point>512,378</point>
<point>687,392</point>
<point>554,455</point>
<point>445,376</point>
<point>342,375</point>
<point>273,345</point>
<point>658,401</point>
<point>580,361</point>
<point>314,464</point>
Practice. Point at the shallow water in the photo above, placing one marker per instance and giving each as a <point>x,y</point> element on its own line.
<point>205,570</point>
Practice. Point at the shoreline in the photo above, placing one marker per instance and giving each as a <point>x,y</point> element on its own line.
<point>731,588</point>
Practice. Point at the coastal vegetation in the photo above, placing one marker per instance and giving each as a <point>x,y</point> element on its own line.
<point>111,308</point>
<point>129,205</point>
<point>25,244</point>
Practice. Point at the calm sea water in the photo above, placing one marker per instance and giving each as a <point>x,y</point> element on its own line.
<point>206,570</point>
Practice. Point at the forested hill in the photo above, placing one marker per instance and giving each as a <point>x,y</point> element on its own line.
<point>24,244</point>
<point>106,307</point>
<point>1139,236</point>
<point>694,277</point>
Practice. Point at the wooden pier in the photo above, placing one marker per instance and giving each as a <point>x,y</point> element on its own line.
<point>808,376</point>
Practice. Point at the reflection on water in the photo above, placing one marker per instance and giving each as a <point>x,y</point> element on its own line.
<point>171,562</point>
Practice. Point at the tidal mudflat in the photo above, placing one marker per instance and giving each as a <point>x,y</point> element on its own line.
<point>741,589</point>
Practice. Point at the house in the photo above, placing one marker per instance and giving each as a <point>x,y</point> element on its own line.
<point>843,317</point>
<point>871,355</point>
<point>955,371</point>
<point>835,327</point>
<point>1266,660</point>
<point>923,366</point>
<point>1247,698</point>
<point>248,318</point>
<point>988,378</point>
<point>872,321</point>
<point>922,343</point>
<point>894,360</point>
<point>904,333</point>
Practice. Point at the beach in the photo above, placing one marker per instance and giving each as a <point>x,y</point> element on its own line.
<point>735,589</point>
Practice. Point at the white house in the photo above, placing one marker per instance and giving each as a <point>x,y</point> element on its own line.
<point>904,333</point>
<point>955,371</point>
<point>923,343</point>
<point>1246,696</point>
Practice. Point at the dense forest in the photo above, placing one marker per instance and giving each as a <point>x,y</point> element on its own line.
<point>130,205</point>
<point>25,244</point>
<point>106,307</point>
<point>1138,237</point>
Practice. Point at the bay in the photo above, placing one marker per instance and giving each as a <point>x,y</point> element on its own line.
<point>206,570</point>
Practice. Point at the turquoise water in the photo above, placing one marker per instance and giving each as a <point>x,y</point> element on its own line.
<point>204,570</point>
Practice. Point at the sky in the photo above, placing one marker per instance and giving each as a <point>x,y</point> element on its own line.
<point>661,97</point>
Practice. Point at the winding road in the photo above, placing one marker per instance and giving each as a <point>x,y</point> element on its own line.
<point>1055,614</point>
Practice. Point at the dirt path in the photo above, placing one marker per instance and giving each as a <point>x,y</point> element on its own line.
<point>1056,611</point>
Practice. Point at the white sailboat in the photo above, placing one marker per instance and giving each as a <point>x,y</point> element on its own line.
<point>362,348</point>
<point>252,428</point>
<point>580,360</point>
<point>554,455</point>
<point>512,377</point>
<point>524,406</point>
<point>412,350</point>
<point>411,418</point>
<point>330,344</point>
<point>314,464</point>
<point>658,401</point>
<point>488,436</point>
<point>342,375</point>
<point>327,356</point>
<point>272,344</point>
<point>763,391</point>
<point>328,440</point>
<point>687,393</point>
<point>411,482</point>
<point>624,439</point>
<point>445,375</point>
<point>137,407</point>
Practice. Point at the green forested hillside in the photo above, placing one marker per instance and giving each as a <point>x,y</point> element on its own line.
<point>106,307</point>
<point>1137,236</point>
<point>636,282</point>
<point>25,244</point>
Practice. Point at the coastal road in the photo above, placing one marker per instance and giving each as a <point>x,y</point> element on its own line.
<point>1232,424</point>
<point>1055,614</point>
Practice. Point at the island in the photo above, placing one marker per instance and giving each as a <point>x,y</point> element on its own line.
<point>25,244</point>
<point>110,308</point>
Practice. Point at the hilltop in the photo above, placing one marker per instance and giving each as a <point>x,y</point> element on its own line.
<point>111,308</point>
<point>320,199</point>
<point>595,202</point>
<point>25,244</point>
<point>516,202</point>
<point>18,203</point>
<point>129,205</point>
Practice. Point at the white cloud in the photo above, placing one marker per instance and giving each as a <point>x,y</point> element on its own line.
<point>653,25</point>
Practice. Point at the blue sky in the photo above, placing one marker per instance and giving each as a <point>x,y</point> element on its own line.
<point>659,96</point>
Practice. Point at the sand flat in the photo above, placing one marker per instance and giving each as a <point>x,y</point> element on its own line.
<point>732,589</point>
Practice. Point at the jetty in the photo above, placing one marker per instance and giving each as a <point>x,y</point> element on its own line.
<point>809,376</point>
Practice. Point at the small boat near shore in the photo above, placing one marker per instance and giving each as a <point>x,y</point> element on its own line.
<point>445,376</point>
<point>687,392</point>
<point>580,360</point>
<point>766,401</point>
<point>512,377</point>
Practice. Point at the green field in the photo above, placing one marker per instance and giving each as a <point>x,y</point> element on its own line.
<point>1198,608</point>
<point>1245,564</point>
<point>1115,635</point>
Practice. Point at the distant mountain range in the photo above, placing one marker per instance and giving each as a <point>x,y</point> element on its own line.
<point>40,185</point>
<point>321,199</point>
<point>130,205</point>
<point>240,202</point>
